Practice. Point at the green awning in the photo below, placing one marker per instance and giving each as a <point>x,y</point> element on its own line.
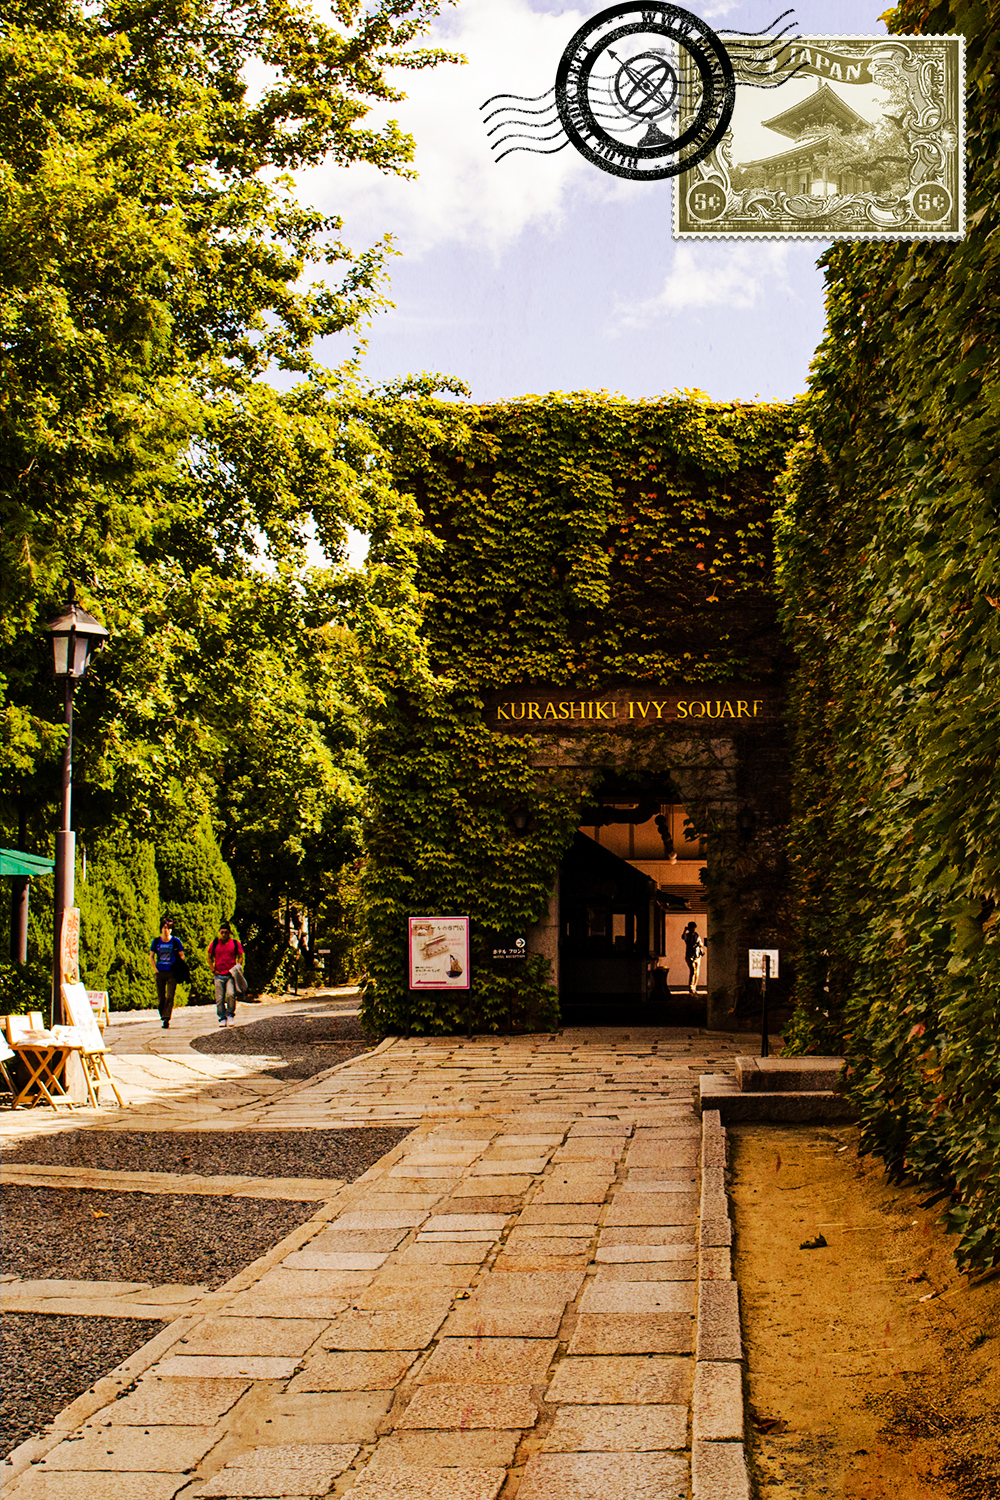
<point>13,862</point>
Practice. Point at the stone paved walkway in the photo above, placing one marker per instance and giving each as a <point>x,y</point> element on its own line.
<point>529,1296</point>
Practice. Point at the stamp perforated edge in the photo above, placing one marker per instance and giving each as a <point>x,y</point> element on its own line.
<point>827,237</point>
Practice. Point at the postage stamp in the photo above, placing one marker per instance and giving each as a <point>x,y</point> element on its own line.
<point>863,138</point>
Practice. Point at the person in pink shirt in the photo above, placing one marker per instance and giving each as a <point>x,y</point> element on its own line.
<point>224,953</point>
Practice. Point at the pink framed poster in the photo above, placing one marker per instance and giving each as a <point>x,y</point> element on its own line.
<point>438,953</point>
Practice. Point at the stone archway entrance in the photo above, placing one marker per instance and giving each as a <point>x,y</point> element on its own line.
<point>628,886</point>
<point>676,784</point>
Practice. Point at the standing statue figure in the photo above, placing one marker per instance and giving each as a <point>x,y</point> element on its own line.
<point>694,952</point>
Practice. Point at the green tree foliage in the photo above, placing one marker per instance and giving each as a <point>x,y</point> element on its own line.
<point>197,889</point>
<point>889,555</point>
<point>119,916</point>
<point>98,939</point>
<point>579,539</point>
<point>155,271</point>
<point>126,870</point>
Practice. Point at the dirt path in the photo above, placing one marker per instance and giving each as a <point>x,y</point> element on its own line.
<point>874,1366</point>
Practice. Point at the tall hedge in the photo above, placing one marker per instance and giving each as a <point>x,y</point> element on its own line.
<point>578,539</point>
<point>889,549</point>
<point>197,889</point>
<point>119,914</point>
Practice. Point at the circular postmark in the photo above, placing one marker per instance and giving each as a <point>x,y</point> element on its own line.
<point>645,90</point>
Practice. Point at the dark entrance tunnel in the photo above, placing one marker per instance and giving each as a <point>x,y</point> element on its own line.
<point>628,885</point>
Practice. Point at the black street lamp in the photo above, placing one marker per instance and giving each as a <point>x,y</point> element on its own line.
<point>75,636</point>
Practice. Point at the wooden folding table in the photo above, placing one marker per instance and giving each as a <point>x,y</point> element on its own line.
<point>93,1052</point>
<point>44,1056</point>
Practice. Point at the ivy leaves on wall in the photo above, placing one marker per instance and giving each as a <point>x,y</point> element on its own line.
<point>577,539</point>
<point>889,552</point>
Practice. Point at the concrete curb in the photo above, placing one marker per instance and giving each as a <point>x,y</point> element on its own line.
<point>718,1419</point>
<point>293,1189</point>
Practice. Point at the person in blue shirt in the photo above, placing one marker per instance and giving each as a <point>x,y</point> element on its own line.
<point>163,951</point>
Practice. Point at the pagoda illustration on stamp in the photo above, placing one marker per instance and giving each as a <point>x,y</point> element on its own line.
<point>648,91</point>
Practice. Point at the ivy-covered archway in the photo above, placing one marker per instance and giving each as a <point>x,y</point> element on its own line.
<point>569,550</point>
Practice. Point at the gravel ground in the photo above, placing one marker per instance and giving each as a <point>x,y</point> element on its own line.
<point>69,1233</point>
<point>49,1360</point>
<point>306,1043</point>
<point>215,1153</point>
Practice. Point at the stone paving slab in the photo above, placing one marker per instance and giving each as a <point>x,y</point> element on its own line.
<point>366,1328</point>
<point>650,1296</point>
<point>611,1476</point>
<point>300,1469</point>
<point>158,1450</point>
<point>659,1270</point>
<point>652,1208</point>
<point>307,1283</point>
<point>267,1417</point>
<point>181,1403</point>
<point>559,1213</point>
<point>485,1361</point>
<point>629,1380</point>
<point>632,1333</point>
<point>648,1234</point>
<point>516,1319</point>
<point>550,1188</point>
<point>426,1252</point>
<point>355,1370</point>
<point>482,1449</point>
<point>226,1367</point>
<point>617,1429</point>
<point>444,1406</point>
<point>417,1483</point>
<point>499,1290</point>
<point>41,1484</point>
<point>97,1307</point>
<point>620,1254</point>
<point>253,1336</point>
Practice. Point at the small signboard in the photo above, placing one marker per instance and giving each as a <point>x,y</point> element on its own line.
<point>69,945</point>
<point>99,1005</point>
<point>438,953</point>
<point>514,948</point>
<point>757,957</point>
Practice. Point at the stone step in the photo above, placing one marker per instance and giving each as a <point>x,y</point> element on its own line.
<point>793,1075</point>
<point>801,1107</point>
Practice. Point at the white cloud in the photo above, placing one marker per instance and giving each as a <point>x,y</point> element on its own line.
<point>461,194</point>
<point>710,275</point>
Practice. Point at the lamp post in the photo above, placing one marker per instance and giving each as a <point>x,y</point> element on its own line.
<point>75,636</point>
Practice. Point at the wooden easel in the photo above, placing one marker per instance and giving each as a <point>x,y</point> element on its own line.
<point>93,1053</point>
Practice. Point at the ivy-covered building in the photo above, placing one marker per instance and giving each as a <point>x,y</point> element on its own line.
<point>598,755</point>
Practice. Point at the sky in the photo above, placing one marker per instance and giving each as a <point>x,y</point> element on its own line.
<point>544,273</point>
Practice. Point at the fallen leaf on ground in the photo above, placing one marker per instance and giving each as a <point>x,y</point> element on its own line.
<point>768,1424</point>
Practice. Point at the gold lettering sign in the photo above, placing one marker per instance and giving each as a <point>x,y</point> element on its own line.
<point>542,709</point>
